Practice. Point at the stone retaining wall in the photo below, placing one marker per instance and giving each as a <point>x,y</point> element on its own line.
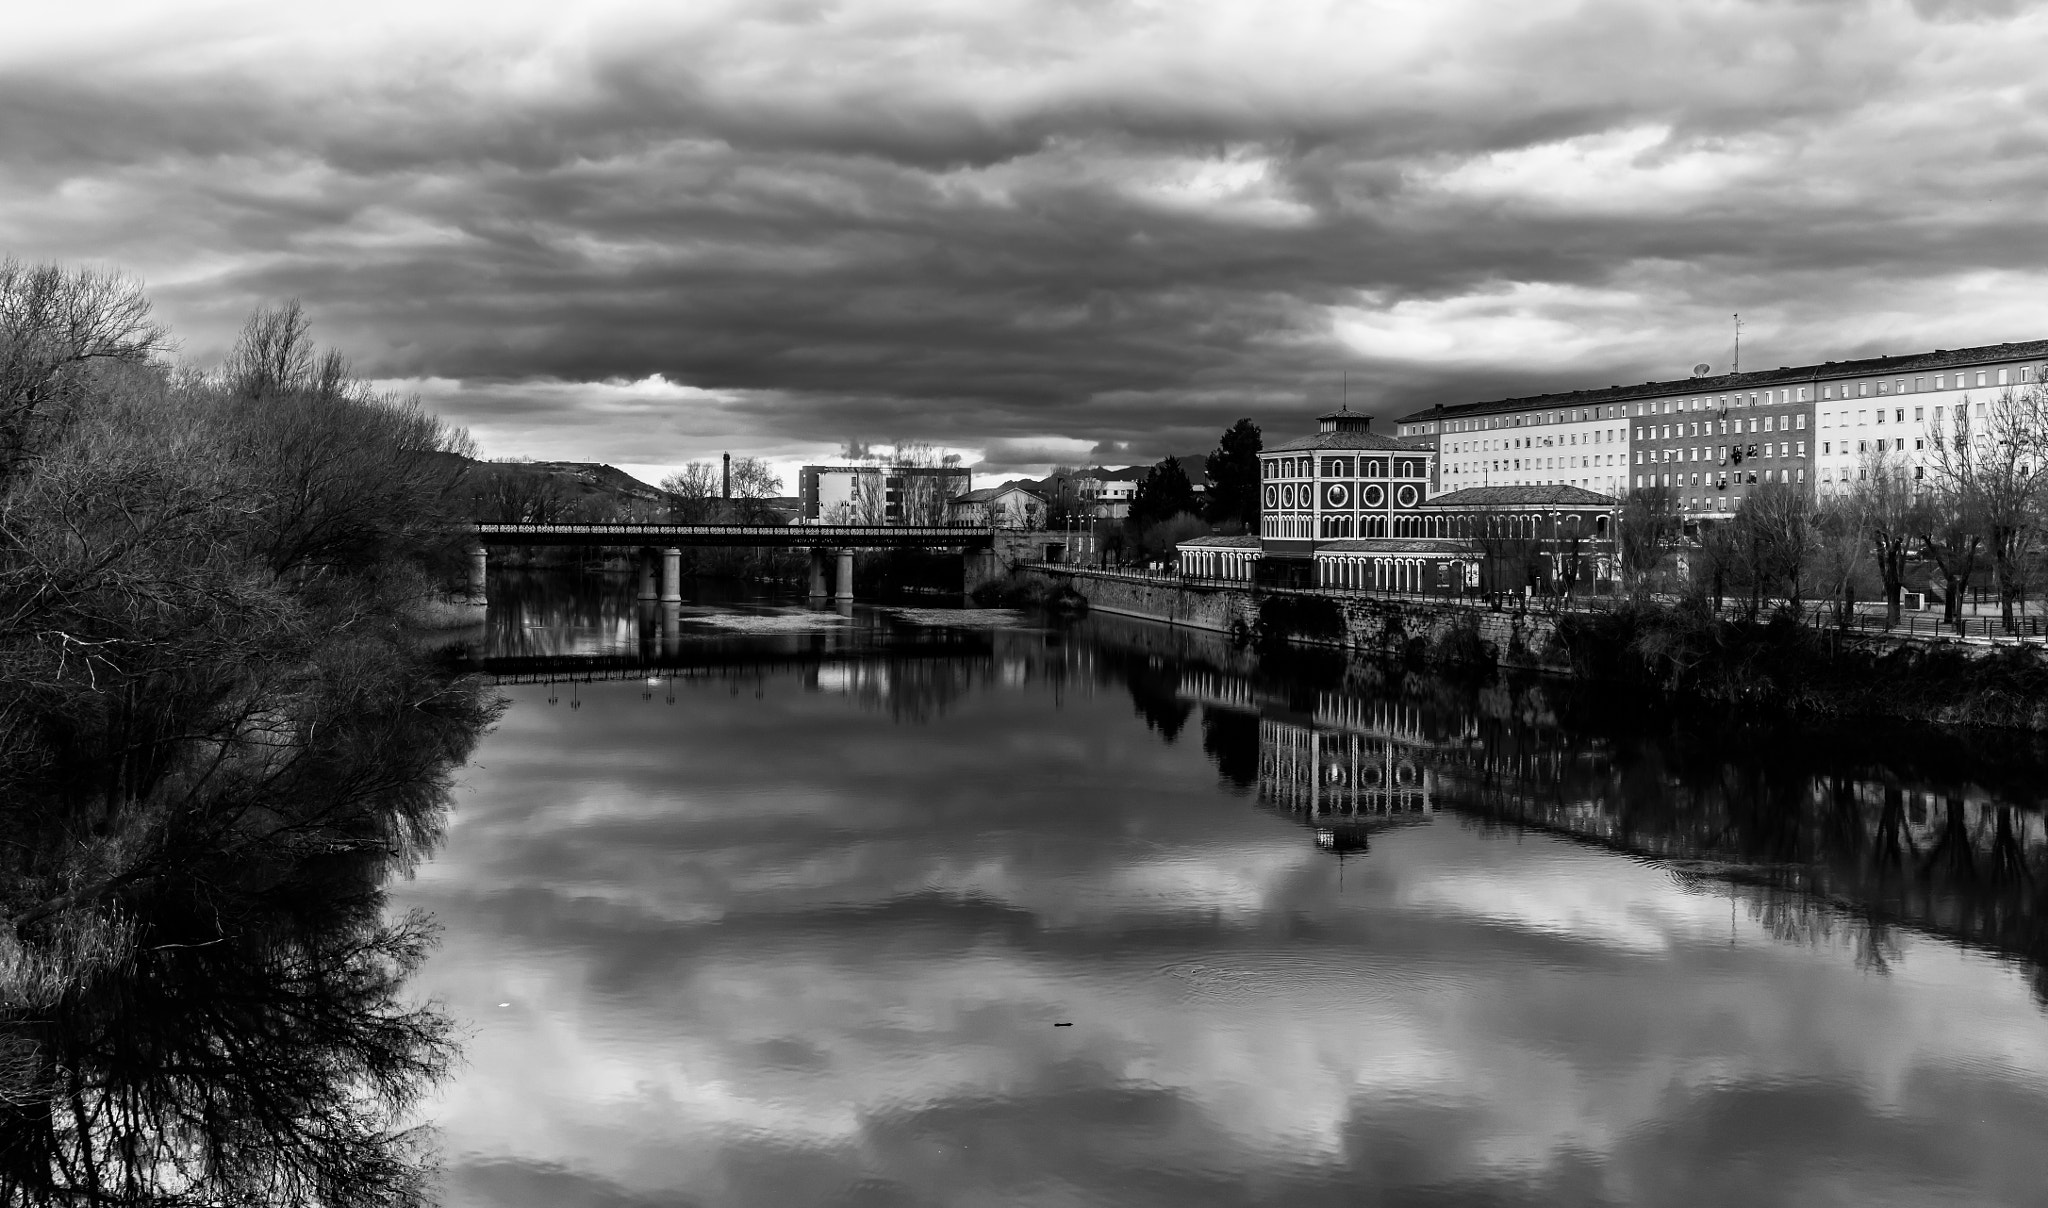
<point>1370,622</point>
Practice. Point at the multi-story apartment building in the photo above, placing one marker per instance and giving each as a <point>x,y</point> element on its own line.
<point>879,494</point>
<point>1711,440</point>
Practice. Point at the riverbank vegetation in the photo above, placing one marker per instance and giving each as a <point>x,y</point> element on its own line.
<point>216,742</point>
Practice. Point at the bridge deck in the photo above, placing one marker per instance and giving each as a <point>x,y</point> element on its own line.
<point>829,536</point>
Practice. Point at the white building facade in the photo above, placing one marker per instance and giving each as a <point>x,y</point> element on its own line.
<point>1710,441</point>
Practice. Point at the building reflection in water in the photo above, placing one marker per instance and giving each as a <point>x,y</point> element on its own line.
<point>1816,827</point>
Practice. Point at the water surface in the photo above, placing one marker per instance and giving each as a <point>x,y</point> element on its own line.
<point>919,906</point>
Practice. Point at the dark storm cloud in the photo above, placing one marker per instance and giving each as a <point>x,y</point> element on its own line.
<point>1034,230</point>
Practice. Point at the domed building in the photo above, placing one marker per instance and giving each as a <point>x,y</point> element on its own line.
<point>1349,508</point>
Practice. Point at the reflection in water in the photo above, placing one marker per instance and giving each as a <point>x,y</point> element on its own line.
<point>206,1000</point>
<point>767,945</point>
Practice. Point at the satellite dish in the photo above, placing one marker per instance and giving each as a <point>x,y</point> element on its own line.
<point>1702,369</point>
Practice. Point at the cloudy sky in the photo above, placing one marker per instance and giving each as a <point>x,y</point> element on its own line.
<point>1037,231</point>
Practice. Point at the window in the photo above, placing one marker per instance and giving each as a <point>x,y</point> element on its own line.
<point>1919,413</point>
<point>1802,448</point>
<point>1802,394</point>
<point>1768,422</point>
<point>1880,415</point>
<point>1980,377</point>
<point>1827,392</point>
<point>1919,384</point>
<point>2002,378</point>
<point>1800,423</point>
<point>1880,387</point>
<point>1824,447</point>
<point>1919,442</point>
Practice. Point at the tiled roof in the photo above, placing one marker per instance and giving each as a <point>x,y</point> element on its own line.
<point>1940,358</point>
<point>1396,545</point>
<point>1533,495</point>
<point>1240,542</point>
<point>1349,440</point>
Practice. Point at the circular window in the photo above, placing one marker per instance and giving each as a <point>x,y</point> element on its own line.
<point>1405,496</point>
<point>1373,495</point>
<point>1336,495</point>
<point>1272,496</point>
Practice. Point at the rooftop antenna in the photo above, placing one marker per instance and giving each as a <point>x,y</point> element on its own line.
<point>1738,344</point>
<point>1345,405</point>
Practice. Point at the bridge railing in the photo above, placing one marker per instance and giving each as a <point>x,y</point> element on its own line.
<point>645,533</point>
<point>820,533</point>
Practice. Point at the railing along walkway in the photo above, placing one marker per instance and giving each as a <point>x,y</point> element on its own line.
<point>1974,630</point>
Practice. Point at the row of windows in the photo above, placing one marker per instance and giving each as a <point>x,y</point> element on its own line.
<point>1964,380</point>
<point>1880,445</point>
<point>1942,381</point>
<point>1506,464</point>
<point>1722,480</point>
<point>1681,431</point>
<point>1336,495</point>
<point>1862,471</point>
<point>1897,415</point>
<point>1341,467</point>
<point>1598,436</point>
<point>1784,448</point>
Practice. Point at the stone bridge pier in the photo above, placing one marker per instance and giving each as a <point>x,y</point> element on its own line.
<point>660,575</point>
<point>842,573</point>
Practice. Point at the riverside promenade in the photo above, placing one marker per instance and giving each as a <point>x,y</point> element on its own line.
<point>1520,628</point>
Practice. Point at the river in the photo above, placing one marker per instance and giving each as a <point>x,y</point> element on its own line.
<point>923,906</point>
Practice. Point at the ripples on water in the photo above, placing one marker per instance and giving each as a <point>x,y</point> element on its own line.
<point>789,911</point>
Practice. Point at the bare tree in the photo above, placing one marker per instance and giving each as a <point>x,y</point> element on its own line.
<point>54,324</point>
<point>1649,522</point>
<point>753,484</point>
<point>1990,454</point>
<point>274,355</point>
<point>1718,556</point>
<point>693,491</point>
<point>1951,537</point>
<point>924,498</point>
<point>1840,553</point>
<point>1776,525</point>
<point>1884,508</point>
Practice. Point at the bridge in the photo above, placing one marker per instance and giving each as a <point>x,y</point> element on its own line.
<point>661,545</point>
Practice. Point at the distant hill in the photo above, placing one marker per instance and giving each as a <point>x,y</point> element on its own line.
<point>584,478</point>
<point>591,490</point>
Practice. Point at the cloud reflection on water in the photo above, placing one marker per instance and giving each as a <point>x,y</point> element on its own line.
<point>769,949</point>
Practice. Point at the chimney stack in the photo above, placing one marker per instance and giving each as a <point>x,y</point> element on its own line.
<point>728,476</point>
